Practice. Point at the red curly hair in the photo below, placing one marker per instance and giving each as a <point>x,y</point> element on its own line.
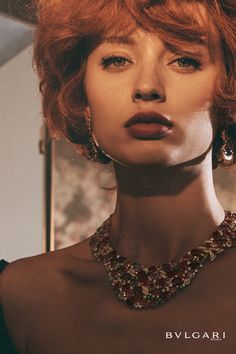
<point>68,31</point>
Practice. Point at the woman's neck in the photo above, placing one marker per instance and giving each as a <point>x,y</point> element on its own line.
<point>161,215</point>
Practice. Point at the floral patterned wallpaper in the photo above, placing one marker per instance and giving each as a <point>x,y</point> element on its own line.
<point>82,201</point>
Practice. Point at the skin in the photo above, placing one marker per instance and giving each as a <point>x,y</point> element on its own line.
<point>184,95</point>
<point>164,180</point>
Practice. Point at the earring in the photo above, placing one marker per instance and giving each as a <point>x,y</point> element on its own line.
<point>91,146</point>
<point>226,155</point>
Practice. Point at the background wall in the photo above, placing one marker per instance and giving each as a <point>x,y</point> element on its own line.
<point>21,165</point>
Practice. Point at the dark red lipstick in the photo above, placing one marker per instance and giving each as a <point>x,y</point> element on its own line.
<point>148,125</point>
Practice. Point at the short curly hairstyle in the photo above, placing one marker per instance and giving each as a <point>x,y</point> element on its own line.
<point>68,31</point>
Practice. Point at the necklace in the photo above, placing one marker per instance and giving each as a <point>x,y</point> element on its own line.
<point>148,287</point>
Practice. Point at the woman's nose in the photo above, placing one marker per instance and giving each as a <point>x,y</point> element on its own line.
<point>146,95</point>
<point>148,87</point>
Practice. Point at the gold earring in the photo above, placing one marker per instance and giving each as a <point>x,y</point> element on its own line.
<point>226,155</point>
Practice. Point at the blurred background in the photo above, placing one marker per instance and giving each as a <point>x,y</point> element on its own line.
<point>21,165</point>
<point>50,196</point>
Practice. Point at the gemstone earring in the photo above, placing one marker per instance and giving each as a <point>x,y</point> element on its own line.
<point>226,154</point>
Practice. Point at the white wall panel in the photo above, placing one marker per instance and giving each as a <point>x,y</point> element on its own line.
<point>21,165</point>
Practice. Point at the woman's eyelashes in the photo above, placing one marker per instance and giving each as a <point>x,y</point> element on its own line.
<point>115,60</point>
<point>187,63</point>
<point>183,63</point>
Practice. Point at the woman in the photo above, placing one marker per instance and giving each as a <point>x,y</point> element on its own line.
<point>148,86</point>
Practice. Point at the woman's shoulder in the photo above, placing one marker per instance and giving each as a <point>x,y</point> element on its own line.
<point>19,273</point>
<point>20,282</point>
<point>30,284</point>
<point>28,277</point>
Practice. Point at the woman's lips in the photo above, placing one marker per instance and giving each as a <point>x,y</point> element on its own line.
<point>148,130</point>
<point>149,125</point>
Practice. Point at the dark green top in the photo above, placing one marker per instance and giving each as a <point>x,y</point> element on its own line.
<point>6,346</point>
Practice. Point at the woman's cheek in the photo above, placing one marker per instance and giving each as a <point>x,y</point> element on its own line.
<point>194,90</point>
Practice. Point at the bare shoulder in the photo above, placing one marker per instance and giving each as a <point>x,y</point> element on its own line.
<point>35,272</point>
<point>34,289</point>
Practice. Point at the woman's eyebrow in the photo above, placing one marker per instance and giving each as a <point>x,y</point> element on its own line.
<point>118,40</point>
<point>199,49</point>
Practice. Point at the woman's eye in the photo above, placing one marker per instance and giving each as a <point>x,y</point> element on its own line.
<point>116,61</point>
<point>187,63</point>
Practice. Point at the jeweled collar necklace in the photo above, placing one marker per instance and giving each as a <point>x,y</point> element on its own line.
<point>141,287</point>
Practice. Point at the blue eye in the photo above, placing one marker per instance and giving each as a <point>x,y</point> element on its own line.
<point>117,61</point>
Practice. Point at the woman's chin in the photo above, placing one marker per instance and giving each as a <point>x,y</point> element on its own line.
<point>141,163</point>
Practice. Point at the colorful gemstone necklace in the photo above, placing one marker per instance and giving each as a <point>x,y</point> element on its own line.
<point>141,287</point>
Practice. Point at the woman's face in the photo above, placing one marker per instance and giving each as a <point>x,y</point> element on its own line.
<point>140,74</point>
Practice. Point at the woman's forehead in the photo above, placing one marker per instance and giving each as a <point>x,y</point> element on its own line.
<point>140,38</point>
